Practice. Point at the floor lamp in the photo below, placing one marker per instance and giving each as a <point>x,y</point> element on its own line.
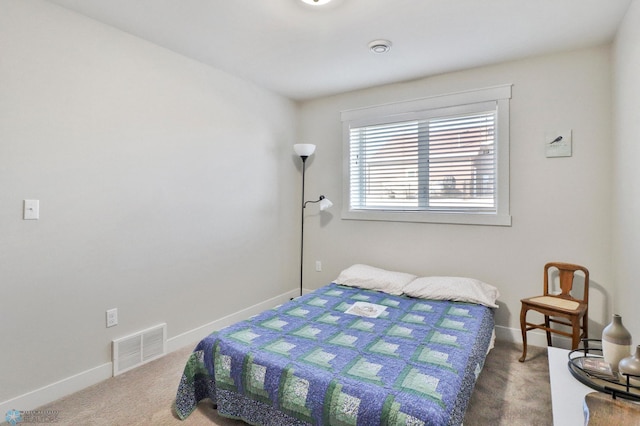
<point>304,151</point>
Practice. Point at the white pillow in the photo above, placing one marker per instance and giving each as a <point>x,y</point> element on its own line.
<point>369,277</point>
<point>458,289</point>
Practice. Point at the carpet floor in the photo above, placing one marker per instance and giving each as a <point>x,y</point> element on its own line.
<point>507,393</point>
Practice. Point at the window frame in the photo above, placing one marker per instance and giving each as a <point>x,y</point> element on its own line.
<point>436,105</point>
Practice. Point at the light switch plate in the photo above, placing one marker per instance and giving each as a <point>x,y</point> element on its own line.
<point>31,210</point>
<point>557,143</point>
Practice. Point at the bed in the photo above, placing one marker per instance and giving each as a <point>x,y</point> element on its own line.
<point>345,355</point>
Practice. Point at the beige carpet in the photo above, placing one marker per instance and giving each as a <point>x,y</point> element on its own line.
<point>507,393</point>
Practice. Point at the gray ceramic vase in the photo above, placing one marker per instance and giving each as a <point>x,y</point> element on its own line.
<point>631,365</point>
<point>616,342</point>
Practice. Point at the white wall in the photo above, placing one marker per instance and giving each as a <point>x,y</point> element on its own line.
<point>626,174</point>
<point>561,207</point>
<point>167,190</point>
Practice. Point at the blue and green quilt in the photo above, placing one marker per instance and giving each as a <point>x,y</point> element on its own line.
<point>309,362</point>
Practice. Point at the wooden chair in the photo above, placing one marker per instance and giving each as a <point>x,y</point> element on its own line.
<point>560,308</point>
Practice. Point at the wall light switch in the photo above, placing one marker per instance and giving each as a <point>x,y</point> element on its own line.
<point>557,143</point>
<point>31,210</point>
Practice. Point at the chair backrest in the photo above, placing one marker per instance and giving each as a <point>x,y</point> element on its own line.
<point>566,276</point>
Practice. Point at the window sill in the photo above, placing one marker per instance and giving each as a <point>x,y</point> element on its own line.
<point>428,217</point>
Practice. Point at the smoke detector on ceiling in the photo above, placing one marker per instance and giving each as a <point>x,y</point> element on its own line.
<point>380,46</point>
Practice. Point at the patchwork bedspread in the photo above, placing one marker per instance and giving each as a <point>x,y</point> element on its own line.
<point>309,362</point>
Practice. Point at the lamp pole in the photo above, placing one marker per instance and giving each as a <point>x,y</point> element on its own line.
<point>304,151</point>
<point>304,162</point>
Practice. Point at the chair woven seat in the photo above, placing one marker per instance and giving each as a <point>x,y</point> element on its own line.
<point>556,302</point>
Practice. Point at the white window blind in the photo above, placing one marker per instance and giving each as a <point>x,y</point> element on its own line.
<point>443,159</point>
<point>445,163</point>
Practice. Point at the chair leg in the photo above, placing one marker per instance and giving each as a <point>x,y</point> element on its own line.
<point>523,327</point>
<point>575,326</point>
<point>547,324</point>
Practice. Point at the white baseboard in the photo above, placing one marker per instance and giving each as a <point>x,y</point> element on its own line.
<point>191,337</point>
<point>534,337</point>
<point>49,393</point>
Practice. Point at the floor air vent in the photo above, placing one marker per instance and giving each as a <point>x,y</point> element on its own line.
<point>139,348</point>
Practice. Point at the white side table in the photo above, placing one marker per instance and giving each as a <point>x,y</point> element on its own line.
<point>567,393</point>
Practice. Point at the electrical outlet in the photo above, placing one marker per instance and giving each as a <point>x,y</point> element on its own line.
<point>318,266</point>
<point>112,317</point>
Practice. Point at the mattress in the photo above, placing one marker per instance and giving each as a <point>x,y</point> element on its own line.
<point>343,356</point>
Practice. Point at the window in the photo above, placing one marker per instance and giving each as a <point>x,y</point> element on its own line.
<point>443,159</point>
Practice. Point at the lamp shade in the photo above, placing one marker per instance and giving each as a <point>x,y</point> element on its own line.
<point>304,149</point>
<point>325,204</point>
